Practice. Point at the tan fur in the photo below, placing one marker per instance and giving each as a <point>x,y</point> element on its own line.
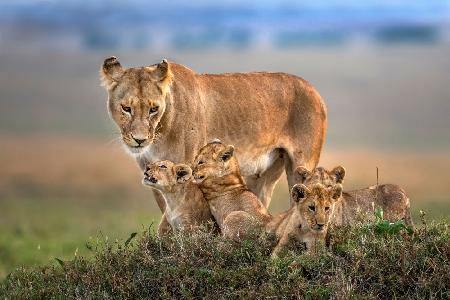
<point>186,207</point>
<point>392,199</point>
<point>276,121</point>
<point>216,171</point>
<point>308,218</point>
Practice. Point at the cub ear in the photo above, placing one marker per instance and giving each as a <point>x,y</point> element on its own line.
<point>227,153</point>
<point>110,71</point>
<point>339,173</point>
<point>299,192</point>
<point>301,174</point>
<point>336,191</point>
<point>183,173</point>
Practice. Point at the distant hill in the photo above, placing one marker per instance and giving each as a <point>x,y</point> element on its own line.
<point>197,24</point>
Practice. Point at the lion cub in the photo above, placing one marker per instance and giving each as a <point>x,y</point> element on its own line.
<point>391,198</point>
<point>237,211</point>
<point>308,218</point>
<point>185,206</point>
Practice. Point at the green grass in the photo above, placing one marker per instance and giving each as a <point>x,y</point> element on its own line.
<point>359,263</point>
<point>33,231</point>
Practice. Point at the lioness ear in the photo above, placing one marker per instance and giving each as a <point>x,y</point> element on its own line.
<point>183,172</point>
<point>301,174</point>
<point>160,72</point>
<point>336,192</point>
<point>339,173</point>
<point>227,153</point>
<point>110,71</point>
<point>299,192</point>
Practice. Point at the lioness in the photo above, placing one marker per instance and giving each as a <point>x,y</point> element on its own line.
<point>235,208</point>
<point>391,198</point>
<point>276,121</point>
<point>185,206</point>
<point>308,219</point>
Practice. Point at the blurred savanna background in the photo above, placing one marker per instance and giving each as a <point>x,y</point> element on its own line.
<point>382,67</point>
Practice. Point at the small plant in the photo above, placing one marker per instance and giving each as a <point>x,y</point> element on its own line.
<point>383,226</point>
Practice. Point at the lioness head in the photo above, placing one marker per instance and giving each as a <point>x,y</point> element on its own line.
<point>136,100</point>
<point>165,175</point>
<point>320,175</point>
<point>215,159</point>
<point>315,204</point>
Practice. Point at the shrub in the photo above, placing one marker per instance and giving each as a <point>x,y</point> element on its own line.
<point>360,262</point>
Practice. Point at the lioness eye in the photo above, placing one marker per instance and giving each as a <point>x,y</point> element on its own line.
<point>126,109</point>
<point>154,109</point>
<point>163,167</point>
<point>201,162</point>
<point>327,208</point>
<point>312,208</point>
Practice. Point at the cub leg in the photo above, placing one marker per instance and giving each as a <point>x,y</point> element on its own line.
<point>240,225</point>
<point>292,230</point>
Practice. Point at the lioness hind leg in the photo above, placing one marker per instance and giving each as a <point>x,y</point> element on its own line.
<point>263,184</point>
<point>294,159</point>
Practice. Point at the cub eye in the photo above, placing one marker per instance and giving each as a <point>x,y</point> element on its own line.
<point>201,162</point>
<point>163,167</point>
<point>327,208</point>
<point>154,109</point>
<point>312,208</point>
<point>126,109</point>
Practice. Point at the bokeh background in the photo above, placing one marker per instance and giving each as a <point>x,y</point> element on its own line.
<point>383,68</point>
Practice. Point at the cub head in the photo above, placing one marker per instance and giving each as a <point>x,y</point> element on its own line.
<point>315,204</point>
<point>136,100</point>
<point>320,175</point>
<point>165,175</point>
<point>215,159</point>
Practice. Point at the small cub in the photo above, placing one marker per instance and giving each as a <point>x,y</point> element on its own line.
<point>391,198</point>
<point>185,206</point>
<point>234,207</point>
<point>308,218</point>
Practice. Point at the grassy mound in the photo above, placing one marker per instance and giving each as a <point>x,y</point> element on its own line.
<point>362,262</point>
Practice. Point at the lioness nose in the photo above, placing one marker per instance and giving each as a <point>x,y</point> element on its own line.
<point>139,140</point>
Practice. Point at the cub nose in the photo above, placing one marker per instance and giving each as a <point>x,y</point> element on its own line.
<point>139,140</point>
<point>320,226</point>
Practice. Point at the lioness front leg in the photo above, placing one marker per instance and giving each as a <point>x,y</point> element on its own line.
<point>164,227</point>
